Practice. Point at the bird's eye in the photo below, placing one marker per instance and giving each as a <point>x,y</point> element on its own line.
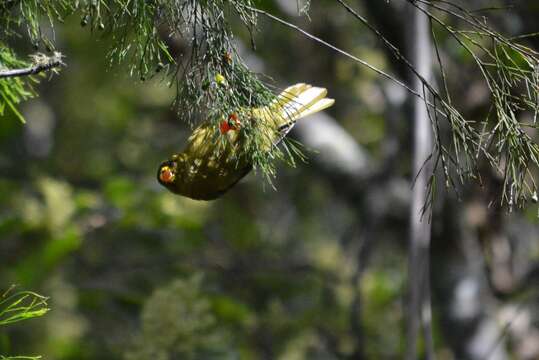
<point>166,175</point>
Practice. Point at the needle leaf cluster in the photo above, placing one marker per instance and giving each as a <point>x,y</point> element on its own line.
<point>13,90</point>
<point>18,306</point>
<point>505,136</point>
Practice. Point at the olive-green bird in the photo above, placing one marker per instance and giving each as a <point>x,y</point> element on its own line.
<point>203,172</point>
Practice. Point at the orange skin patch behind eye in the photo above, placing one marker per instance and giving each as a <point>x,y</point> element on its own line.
<point>166,175</point>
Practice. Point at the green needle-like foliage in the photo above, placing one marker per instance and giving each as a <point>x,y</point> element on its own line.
<point>19,306</point>
<point>511,73</point>
<point>13,90</point>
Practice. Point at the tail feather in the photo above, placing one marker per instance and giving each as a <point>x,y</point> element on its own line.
<point>301,100</point>
<point>291,92</point>
<point>293,103</point>
<point>318,106</point>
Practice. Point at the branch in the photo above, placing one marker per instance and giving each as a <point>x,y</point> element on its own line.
<point>340,51</point>
<point>41,63</point>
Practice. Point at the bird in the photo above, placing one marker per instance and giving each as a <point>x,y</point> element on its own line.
<point>205,171</point>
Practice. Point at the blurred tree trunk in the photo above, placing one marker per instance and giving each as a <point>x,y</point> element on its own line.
<point>418,269</point>
<point>463,297</point>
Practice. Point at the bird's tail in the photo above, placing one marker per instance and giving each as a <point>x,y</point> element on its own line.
<point>300,100</point>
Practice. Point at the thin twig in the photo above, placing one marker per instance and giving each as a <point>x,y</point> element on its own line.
<point>396,52</point>
<point>42,63</point>
<point>340,51</point>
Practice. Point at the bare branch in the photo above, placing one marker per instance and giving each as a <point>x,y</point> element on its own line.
<point>41,63</point>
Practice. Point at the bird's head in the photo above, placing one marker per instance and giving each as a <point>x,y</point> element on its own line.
<point>169,172</point>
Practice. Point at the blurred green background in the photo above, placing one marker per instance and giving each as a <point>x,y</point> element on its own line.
<point>313,269</point>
